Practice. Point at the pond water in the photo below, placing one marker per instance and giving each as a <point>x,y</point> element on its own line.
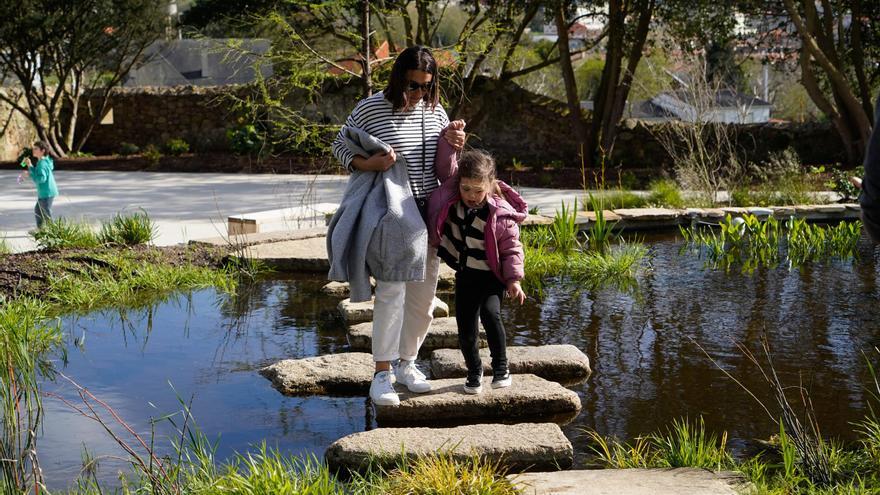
<point>648,368</point>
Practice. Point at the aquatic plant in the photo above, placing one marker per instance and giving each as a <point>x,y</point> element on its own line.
<point>564,229</point>
<point>27,339</point>
<point>600,233</point>
<point>765,243</point>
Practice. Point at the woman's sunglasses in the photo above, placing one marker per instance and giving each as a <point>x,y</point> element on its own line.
<point>414,86</point>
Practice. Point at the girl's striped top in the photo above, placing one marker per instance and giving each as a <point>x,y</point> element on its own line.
<point>463,244</point>
<point>402,131</point>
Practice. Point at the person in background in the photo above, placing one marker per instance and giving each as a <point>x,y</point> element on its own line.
<point>41,174</point>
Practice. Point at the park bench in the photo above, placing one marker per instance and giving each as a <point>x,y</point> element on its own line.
<point>296,217</point>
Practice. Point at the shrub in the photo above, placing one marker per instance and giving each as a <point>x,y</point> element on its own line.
<point>127,149</point>
<point>840,183</point>
<point>176,147</point>
<point>152,154</point>
<point>245,140</point>
<point>665,192</point>
<point>612,200</point>
<point>65,234</point>
<point>128,230</point>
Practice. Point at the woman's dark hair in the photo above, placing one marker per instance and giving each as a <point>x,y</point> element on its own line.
<point>413,58</point>
<point>478,165</point>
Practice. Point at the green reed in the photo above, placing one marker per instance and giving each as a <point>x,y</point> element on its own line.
<point>753,243</point>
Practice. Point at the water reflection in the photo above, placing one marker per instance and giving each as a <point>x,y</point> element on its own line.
<point>647,369</point>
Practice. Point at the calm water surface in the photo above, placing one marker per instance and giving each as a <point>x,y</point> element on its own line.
<point>648,368</point>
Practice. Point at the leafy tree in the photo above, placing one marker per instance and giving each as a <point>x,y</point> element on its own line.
<point>840,63</point>
<point>56,51</point>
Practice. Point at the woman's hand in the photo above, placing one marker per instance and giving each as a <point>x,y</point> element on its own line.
<point>378,162</point>
<point>514,290</point>
<point>455,135</point>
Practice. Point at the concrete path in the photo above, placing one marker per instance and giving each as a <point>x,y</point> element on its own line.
<point>679,481</point>
<point>518,447</point>
<point>184,206</point>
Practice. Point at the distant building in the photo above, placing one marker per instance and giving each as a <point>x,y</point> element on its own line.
<point>729,107</point>
<point>199,62</point>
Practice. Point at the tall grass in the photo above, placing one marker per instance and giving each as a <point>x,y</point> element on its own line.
<point>564,229</point>
<point>665,193</point>
<point>27,338</point>
<point>128,230</point>
<point>4,246</point>
<point>65,234</point>
<point>116,280</point>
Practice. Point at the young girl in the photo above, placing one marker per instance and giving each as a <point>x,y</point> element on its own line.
<point>41,174</point>
<point>474,223</point>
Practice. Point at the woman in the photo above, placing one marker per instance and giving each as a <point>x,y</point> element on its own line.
<point>41,174</point>
<point>408,119</point>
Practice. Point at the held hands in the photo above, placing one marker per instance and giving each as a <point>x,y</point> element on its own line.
<point>455,135</point>
<point>514,290</point>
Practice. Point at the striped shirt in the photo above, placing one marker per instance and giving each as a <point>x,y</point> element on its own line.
<point>463,245</point>
<point>402,130</point>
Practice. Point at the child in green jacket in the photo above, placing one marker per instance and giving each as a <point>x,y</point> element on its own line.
<point>41,174</point>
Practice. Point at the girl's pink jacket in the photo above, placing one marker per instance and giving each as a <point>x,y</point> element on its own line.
<point>504,251</point>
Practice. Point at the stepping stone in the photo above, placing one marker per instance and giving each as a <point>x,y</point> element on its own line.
<point>344,373</point>
<point>518,447</point>
<point>560,363</point>
<point>533,219</point>
<point>442,333</point>
<point>648,218</point>
<point>363,311</point>
<point>583,218</point>
<point>242,240</point>
<point>528,397</point>
<point>301,255</point>
<point>446,280</point>
<point>677,481</point>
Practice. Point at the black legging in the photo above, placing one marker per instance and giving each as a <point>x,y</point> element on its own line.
<point>478,297</point>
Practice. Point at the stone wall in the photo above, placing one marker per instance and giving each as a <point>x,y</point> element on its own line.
<point>507,120</point>
<point>16,132</point>
<point>143,116</point>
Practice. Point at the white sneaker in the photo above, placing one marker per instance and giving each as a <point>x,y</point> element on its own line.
<point>382,391</point>
<point>408,374</point>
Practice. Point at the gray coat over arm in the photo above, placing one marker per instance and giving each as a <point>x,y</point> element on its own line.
<point>377,229</point>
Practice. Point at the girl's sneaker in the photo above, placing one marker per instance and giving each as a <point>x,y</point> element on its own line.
<point>474,384</point>
<point>501,379</point>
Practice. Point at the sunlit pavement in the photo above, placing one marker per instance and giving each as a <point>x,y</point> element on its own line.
<point>184,206</point>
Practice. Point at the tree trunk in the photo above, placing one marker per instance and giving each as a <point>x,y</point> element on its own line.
<point>603,101</point>
<point>848,115</point>
<point>365,49</point>
<point>645,9</point>
<point>571,94</point>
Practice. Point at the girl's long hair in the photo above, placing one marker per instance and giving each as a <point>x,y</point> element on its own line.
<point>413,58</point>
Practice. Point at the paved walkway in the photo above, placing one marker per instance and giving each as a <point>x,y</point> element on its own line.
<point>184,206</point>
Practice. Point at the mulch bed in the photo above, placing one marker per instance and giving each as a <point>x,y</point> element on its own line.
<point>28,274</point>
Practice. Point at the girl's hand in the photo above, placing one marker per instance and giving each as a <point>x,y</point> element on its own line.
<point>514,290</point>
<point>455,135</point>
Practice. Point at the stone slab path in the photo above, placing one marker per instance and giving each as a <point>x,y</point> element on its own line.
<point>363,311</point>
<point>442,333</point>
<point>446,281</point>
<point>343,373</point>
<point>529,398</point>
<point>560,363</point>
<point>678,481</point>
<point>518,447</point>
<point>301,255</point>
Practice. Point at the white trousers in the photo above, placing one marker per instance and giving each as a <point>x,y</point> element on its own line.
<point>403,312</point>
